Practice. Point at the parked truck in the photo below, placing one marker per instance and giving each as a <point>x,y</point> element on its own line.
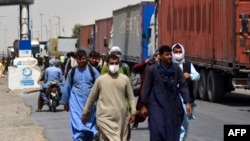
<point>61,45</point>
<point>102,35</point>
<point>215,34</point>
<point>87,37</point>
<point>130,30</point>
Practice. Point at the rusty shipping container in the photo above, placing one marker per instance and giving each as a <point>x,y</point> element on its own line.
<point>102,35</point>
<point>215,34</point>
<point>87,37</point>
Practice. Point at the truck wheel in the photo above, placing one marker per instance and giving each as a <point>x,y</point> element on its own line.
<point>196,89</point>
<point>215,86</point>
<point>203,85</point>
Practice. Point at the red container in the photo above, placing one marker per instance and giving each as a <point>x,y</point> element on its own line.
<point>213,32</point>
<point>86,36</point>
<point>102,35</point>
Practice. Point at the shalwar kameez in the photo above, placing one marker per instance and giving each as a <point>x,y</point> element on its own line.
<point>75,94</point>
<point>160,94</point>
<point>112,115</point>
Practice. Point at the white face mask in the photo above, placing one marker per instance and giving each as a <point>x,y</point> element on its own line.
<point>179,57</point>
<point>113,68</point>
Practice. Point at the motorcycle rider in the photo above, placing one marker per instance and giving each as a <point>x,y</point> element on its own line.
<point>52,73</point>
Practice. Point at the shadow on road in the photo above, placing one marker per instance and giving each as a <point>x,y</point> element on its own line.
<point>236,99</point>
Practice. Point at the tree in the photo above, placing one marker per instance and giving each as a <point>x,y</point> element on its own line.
<point>76,30</point>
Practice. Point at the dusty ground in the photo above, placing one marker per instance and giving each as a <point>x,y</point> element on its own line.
<point>15,121</point>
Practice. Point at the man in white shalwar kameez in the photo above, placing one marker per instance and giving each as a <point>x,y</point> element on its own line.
<point>110,91</point>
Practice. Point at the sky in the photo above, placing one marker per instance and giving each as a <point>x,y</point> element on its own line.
<point>48,12</point>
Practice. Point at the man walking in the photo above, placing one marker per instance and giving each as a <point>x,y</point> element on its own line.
<point>93,60</point>
<point>123,67</point>
<point>76,91</point>
<point>190,75</point>
<point>110,91</point>
<point>161,100</point>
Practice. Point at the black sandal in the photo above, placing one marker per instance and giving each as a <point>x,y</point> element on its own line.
<point>135,125</point>
<point>39,110</point>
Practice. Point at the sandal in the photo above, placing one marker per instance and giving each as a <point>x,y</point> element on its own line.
<point>39,110</point>
<point>135,125</point>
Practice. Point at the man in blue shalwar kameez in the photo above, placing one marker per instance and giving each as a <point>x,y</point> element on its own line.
<point>75,94</point>
<point>160,98</point>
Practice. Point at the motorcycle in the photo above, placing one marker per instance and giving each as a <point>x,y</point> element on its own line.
<point>53,94</point>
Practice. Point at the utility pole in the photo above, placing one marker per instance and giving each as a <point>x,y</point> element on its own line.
<point>41,27</point>
<point>50,28</point>
<point>46,31</point>
<point>59,20</point>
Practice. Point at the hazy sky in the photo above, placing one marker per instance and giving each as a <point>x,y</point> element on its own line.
<point>71,12</point>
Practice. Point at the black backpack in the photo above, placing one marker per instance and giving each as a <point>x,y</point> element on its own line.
<point>90,69</point>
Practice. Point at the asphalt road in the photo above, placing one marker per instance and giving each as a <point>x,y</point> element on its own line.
<point>208,125</point>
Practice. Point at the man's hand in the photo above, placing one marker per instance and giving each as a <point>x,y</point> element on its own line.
<point>186,75</point>
<point>144,111</point>
<point>189,109</point>
<point>131,119</point>
<point>84,119</point>
<point>66,108</point>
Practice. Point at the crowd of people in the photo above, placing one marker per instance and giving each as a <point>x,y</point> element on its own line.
<point>97,93</point>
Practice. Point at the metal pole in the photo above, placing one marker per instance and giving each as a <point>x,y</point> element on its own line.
<point>41,27</point>
<point>56,34</point>
<point>50,28</point>
<point>37,33</point>
<point>46,31</point>
<point>5,30</point>
<point>59,21</point>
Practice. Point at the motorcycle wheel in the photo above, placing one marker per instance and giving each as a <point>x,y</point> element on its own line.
<point>54,104</point>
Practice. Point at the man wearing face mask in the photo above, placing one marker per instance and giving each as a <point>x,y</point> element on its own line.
<point>123,67</point>
<point>190,75</point>
<point>110,90</point>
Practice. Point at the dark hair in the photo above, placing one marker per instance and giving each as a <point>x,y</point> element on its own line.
<point>94,54</point>
<point>112,56</point>
<point>70,54</point>
<point>164,48</point>
<point>81,53</point>
<point>98,55</point>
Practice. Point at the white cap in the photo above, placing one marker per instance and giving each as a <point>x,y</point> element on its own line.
<point>115,48</point>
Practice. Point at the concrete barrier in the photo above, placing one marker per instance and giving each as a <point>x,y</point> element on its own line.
<point>25,61</point>
<point>24,75</point>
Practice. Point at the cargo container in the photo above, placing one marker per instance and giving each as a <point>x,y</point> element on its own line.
<point>87,37</point>
<point>130,30</point>
<point>52,46</point>
<point>215,34</point>
<point>66,45</point>
<point>61,45</point>
<point>102,35</point>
